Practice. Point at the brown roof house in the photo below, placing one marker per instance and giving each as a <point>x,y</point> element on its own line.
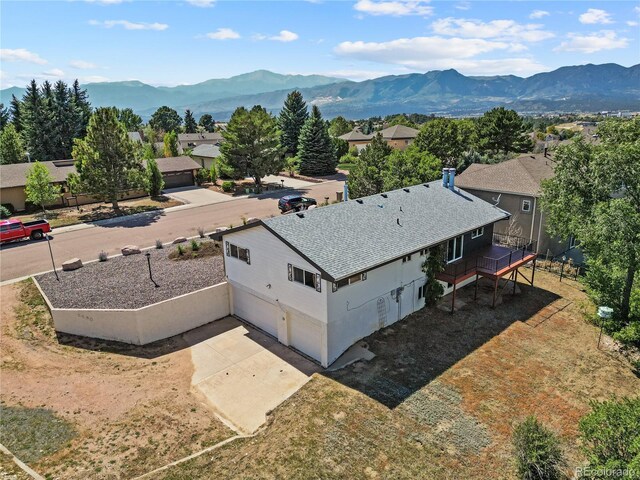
<point>515,186</point>
<point>398,137</point>
<point>176,172</point>
<point>192,140</point>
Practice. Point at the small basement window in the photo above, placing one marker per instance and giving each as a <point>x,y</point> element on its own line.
<point>238,252</point>
<point>421,292</point>
<point>478,232</point>
<point>304,277</point>
<point>406,258</point>
<point>526,206</point>
<point>349,281</point>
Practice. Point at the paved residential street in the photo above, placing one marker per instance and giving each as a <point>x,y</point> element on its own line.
<point>26,258</point>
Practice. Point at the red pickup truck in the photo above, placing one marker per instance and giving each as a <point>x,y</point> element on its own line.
<point>14,229</point>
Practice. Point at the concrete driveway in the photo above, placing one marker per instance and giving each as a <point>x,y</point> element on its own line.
<point>244,373</point>
<point>197,195</point>
<point>288,181</point>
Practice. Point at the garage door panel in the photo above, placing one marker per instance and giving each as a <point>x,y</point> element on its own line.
<point>305,336</point>
<point>256,311</point>
<point>182,179</point>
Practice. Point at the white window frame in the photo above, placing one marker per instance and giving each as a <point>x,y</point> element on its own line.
<point>572,242</point>
<point>228,248</point>
<point>526,201</point>
<point>478,232</point>
<point>345,282</point>
<point>455,245</point>
<point>406,258</point>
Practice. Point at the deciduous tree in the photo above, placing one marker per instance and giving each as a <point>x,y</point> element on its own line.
<point>251,146</point>
<point>442,138</point>
<point>291,120</point>
<point>367,175</point>
<point>132,121</point>
<point>410,167</point>
<point>106,159</point>
<point>502,130</point>
<point>165,119</point>
<point>171,144</point>
<point>207,122</point>
<point>315,150</point>
<point>339,126</point>
<point>39,187</point>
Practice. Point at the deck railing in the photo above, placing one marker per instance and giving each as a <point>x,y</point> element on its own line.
<point>516,250</point>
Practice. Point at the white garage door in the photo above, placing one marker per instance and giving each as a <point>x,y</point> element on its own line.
<point>256,311</point>
<point>305,335</point>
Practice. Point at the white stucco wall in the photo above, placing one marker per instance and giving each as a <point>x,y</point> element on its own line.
<point>147,324</point>
<point>269,259</point>
<point>353,310</point>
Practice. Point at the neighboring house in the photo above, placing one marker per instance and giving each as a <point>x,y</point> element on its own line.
<point>206,155</point>
<point>514,185</point>
<point>398,137</point>
<point>192,140</point>
<point>135,136</point>
<point>356,137</point>
<point>176,172</point>
<point>322,279</point>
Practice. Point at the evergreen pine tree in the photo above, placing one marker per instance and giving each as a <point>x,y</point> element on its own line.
<point>11,148</point>
<point>291,120</point>
<point>82,109</point>
<point>207,122</point>
<point>15,113</point>
<point>4,116</point>
<point>190,124</point>
<point>156,182</point>
<point>63,128</point>
<point>34,122</point>
<point>315,150</point>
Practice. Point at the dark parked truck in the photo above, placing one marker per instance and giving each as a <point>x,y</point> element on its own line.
<point>14,229</point>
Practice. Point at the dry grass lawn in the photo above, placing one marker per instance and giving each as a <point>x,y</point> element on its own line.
<point>441,397</point>
<point>438,401</point>
<point>91,212</point>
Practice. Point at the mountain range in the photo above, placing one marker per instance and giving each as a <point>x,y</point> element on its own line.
<point>574,88</point>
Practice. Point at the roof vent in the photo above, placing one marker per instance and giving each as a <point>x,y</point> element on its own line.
<point>384,195</point>
<point>359,201</point>
<point>300,215</point>
<point>426,185</point>
<point>398,221</point>
<point>406,190</point>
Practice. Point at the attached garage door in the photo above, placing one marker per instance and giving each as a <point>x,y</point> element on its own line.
<point>178,179</point>
<point>305,335</point>
<point>256,311</point>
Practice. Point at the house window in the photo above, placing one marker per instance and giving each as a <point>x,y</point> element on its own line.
<point>423,252</point>
<point>406,258</point>
<point>478,232</point>
<point>238,252</point>
<point>308,279</point>
<point>572,242</point>
<point>349,281</point>
<point>526,206</point>
<point>454,249</point>
<point>421,292</point>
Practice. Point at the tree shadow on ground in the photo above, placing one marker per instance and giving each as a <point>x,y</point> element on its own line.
<point>132,220</point>
<point>413,352</point>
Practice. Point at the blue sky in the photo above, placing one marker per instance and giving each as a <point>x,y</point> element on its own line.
<point>185,42</point>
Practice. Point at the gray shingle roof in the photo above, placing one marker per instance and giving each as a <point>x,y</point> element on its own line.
<point>190,137</point>
<point>205,150</point>
<point>177,164</point>
<point>351,237</point>
<point>521,175</point>
<point>355,135</point>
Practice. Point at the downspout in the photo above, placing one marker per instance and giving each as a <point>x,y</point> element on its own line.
<point>539,233</point>
<point>533,219</point>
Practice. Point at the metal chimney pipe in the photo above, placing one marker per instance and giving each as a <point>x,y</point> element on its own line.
<point>445,177</point>
<point>452,178</point>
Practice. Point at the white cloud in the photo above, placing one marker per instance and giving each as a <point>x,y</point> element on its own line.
<point>20,55</point>
<point>201,3</point>
<point>538,14</point>
<point>637,10</point>
<point>632,23</point>
<point>356,74</point>
<point>595,15</point>
<point>82,65</point>
<point>94,79</point>
<point>395,8</point>
<point>107,2</point>
<point>463,5</point>
<point>593,42</point>
<point>223,34</point>
<point>508,30</point>
<point>54,72</point>
<point>285,36</point>
<point>127,25</point>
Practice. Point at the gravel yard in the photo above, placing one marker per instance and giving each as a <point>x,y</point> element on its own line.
<point>123,282</point>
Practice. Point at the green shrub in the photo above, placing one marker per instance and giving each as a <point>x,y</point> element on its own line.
<point>159,244</point>
<point>228,186</point>
<point>4,212</point>
<point>629,335</point>
<point>195,246</point>
<point>537,451</point>
<point>102,256</point>
<point>180,250</point>
<point>213,175</point>
<point>611,437</point>
<point>202,176</point>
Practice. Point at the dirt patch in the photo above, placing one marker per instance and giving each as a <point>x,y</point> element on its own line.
<point>123,282</point>
<point>131,407</point>
<point>441,396</point>
<point>195,250</point>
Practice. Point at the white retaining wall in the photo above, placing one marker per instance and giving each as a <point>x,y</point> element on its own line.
<point>147,324</point>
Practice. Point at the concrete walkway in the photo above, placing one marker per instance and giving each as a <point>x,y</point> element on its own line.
<point>288,181</point>
<point>244,373</point>
<point>197,195</point>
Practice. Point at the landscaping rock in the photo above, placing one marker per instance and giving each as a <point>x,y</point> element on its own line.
<point>73,264</point>
<point>179,240</point>
<point>252,220</point>
<point>130,250</point>
<point>222,229</point>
